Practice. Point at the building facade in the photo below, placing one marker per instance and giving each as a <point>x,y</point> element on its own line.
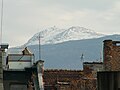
<point>20,72</point>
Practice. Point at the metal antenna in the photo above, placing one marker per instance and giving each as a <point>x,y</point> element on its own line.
<point>1,21</point>
<point>82,58</point>
<point>39,48</point>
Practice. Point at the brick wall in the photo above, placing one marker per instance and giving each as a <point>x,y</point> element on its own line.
<point>68,80</point>
<point>111,55</point>
<point>62,79</point>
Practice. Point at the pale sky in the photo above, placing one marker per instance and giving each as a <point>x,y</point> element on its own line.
<point>23,18</point>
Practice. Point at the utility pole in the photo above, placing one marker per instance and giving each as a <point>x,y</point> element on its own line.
<point>1,51</point>
<point>1,21</point>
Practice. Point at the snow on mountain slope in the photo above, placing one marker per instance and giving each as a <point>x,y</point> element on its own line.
<point>54,35</point>
<point>67,55</point>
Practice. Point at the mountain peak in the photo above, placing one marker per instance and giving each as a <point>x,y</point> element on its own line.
<point>55,35</point>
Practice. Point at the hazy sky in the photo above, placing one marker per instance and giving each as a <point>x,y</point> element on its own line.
<point>23,18</point>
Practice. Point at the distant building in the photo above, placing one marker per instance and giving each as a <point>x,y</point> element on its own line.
<point>20,61</point>
<point>20,72</point>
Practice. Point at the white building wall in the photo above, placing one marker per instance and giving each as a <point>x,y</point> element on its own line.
<point>19,65</point>
<point>20,61</point>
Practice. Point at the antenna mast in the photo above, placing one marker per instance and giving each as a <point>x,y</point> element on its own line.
<point>1,22</point>
<point>39,48</point>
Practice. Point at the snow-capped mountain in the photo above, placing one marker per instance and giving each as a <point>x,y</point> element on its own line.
<point>55,35</point>
<point>62,48</point>
<point>67,55</point>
